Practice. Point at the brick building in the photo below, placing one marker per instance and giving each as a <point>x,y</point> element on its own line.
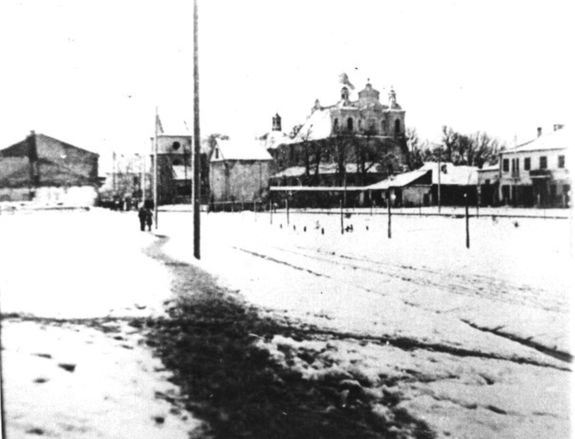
<point>46,169</point>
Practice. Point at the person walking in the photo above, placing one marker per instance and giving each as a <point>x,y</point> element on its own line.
<point>149,219</point>
<point>142,216</point>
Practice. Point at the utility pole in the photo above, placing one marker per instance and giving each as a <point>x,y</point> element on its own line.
<point>156,172</point>
<point>196,156</point>
<point>114,172</point>
<point>389,213</point>
<point>466,220</point>
<point>341,216</point>
<point>2,411</point>
<point>439,184</point>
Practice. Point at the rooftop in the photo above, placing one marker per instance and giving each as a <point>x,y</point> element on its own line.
<point>249,149</point>
<point>559,139</point>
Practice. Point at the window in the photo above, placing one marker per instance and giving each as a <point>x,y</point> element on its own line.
<point>561,161</point>
<point>383,126</point>
<point>349,124</point>
<point>335,124</point>
<point>516,167</point>
<point>176,146</point>
<point>177,162</point>
<point>217,153</point>
<point>505,165</point>
<point>543,162</point>
<point>505,193</point>
<point>397,126</point>
<point>371,125</point>
<point>553,191</point>
<point>527,163</point>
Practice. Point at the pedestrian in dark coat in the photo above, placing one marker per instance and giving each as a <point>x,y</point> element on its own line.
<point>149,217</point>
<point>142,216</point>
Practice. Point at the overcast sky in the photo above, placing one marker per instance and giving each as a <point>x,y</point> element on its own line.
<point>91,72</point>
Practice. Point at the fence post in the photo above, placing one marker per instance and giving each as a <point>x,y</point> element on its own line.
<point>388,214</point>
<point>466,221</point>
<point>478,191</point>
<point>271,213</point>
<point>341,216</point>
<point>287,211</point>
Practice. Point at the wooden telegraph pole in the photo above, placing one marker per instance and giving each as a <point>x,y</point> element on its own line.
<point>439,184</point>
<point>196,154</point>
<point>156,171</point>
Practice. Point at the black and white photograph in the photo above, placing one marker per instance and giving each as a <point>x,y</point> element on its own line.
<point>229,219</point>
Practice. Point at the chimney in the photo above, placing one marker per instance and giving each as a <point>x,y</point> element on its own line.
<point>539,131</point>
<point>276,123</point>
<point>557,126</point>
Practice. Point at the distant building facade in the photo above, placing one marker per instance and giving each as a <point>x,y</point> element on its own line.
<point>536,173</point>
<point>174,168</point>
<point>488,185</point>
<point>49,170</point>
<point>352,142</point>
<point>239,172</point>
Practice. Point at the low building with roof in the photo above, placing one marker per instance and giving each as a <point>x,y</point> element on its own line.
<point>239,172</point>
<point>434,182</point>
<point>452,185</point>
<point>46,169</point>
<point>488,185</point>
<point>536,173</point>
<point>408,189</point>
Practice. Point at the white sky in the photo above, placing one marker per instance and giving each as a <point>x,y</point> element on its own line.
<point>90,72</point>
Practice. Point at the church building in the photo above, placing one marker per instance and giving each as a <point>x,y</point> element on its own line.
<point>353,142</point>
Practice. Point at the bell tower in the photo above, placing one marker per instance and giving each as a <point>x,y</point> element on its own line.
<point>276,123</point>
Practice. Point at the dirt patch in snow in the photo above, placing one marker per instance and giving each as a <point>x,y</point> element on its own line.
<point>215,346</point>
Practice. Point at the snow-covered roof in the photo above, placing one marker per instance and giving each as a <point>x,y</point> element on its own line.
<point>451,174</point>
<point>317,126</point>
<point>489,168</point>
<point>315,188</point>
<point>559,139</point>
<point>273,139</point>
<point>399,180</point>
<point>249,149</point>
<point>324,169</point>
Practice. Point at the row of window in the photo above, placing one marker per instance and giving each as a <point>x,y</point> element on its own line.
<point>371,125</point>
<point>527,163</point>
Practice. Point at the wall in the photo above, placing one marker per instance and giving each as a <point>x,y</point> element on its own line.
<point>523,176</point>
<point>77,160</point>
<point>520,188</point>
<point>167,144</point>
<point>416,195</point>
<point>244,180</point>
<point>53,196</point>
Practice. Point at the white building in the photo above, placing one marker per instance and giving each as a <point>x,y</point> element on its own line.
<point>536,173</point>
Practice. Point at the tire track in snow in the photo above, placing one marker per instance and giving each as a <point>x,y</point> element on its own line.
<point>513,294</point>
<point>306,270</point>
<point>547,350</point>
<point>401,342</point>
<point>555,353</point>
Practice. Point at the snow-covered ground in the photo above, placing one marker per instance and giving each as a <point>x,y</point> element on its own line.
<point>90,375</point>
<point>488,325</point>
<point>472,341</point>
